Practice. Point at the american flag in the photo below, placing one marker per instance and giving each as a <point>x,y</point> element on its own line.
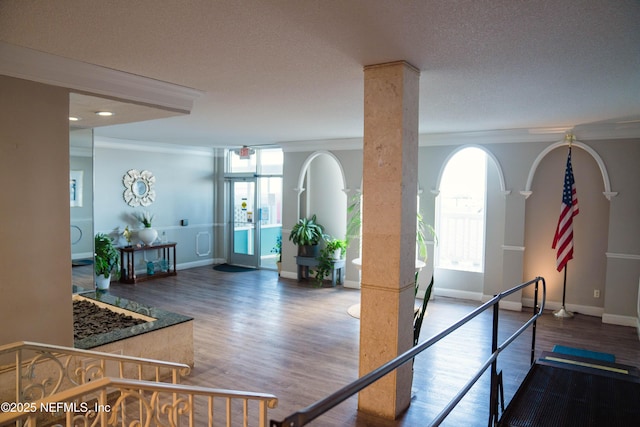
<point>563,239</point>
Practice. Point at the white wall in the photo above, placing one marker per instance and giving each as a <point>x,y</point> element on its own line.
<point>184,188</point>
<point>328,199</point>
<point>520,231</point>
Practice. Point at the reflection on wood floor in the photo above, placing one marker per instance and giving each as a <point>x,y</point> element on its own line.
<point>257,332</point>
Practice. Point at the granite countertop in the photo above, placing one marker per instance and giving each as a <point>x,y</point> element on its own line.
<point>162,318</point>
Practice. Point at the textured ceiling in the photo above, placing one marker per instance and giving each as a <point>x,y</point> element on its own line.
<point>291,70</point>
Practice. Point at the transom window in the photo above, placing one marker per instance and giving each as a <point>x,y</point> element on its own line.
<point>264,161</point>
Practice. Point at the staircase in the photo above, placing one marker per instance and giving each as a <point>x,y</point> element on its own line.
<point>46,385</point>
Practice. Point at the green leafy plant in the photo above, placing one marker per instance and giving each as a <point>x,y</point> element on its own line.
<point>354,218</point>
<point>421,239</point>
<point>333,244</point>
<point>145,218</point>
<point>307,232</point>
<point>277,249</point>
<point>418,316</point>
<point>107,257</point>
<point>326,257</point>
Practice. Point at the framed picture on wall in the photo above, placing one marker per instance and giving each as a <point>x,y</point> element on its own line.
<point>75,188</point>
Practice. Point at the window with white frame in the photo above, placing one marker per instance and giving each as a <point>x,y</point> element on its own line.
<point>460,212</point>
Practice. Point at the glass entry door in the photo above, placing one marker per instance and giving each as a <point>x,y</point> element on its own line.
<point>244,216</point>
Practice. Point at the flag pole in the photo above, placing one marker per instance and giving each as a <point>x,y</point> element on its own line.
<point>569,200</point>
<point>563,313</point>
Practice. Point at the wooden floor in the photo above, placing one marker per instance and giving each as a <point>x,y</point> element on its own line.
<point>254,331</point>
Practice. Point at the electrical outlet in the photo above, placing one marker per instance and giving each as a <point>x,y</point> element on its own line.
<point>596,293</point>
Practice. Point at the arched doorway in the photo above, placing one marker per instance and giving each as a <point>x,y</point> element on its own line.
<point>321,191</point>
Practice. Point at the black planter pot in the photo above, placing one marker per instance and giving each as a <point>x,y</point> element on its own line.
<point>309,250</point>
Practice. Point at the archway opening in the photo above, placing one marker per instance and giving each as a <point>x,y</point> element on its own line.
<point>460,212</point>
<point>322,193</point>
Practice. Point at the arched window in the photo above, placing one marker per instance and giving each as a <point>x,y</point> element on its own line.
<point>460,212</point>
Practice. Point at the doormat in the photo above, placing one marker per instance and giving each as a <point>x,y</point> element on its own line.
<point>584,353</point>
<point>228,268</point>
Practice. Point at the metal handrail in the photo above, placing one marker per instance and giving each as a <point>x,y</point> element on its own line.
<point>309,413</point>
<point>115,401</point>
<point>66,367</point>
<point>40,347</point>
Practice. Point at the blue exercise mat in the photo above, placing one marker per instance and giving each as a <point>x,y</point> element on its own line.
<point>584,353</point>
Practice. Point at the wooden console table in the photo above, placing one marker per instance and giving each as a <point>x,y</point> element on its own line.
<point>164,265</point>
<point>304,262</point>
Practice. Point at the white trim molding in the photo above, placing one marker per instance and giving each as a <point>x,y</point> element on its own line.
<point>556,305</point>
<point>603,169</point>
<point>305,167</point>
<point>454,293</point>
<point>203,263</point>
<point>288,275</point>
<point>622,256</point>
<point>615,319</point>
<point>489,154</point>
<point>513,248</point>
<point>29,64</point>
<point>505,304</point>
<point>208,241</point>
<point>150,146</point>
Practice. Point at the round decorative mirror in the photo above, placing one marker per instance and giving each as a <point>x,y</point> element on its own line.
<point>139,188</point>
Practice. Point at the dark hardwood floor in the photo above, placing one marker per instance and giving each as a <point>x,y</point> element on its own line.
<point>255,331</point>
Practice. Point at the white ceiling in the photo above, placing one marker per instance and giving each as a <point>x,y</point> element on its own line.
<point>275,71</point>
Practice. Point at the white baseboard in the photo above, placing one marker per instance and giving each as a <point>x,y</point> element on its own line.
<point>351,284</point>
<point>81,255</point>
<point>510,305</point>
<point>615,319</point>
<point>192,264</point>
<point>454,293</point>
<point>504,304</point>
<point>575,308</point>
<point>289,275</point>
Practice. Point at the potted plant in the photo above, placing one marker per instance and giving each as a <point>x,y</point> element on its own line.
<point>107,260</point>
<point>306,234</point>
<point>148,235</point>
<point>334,249</point>
<point>277,249</point>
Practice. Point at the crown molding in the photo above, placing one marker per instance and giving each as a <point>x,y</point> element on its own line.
<point>324,144</point>
<point>602,131</point>
<point>151,147</point>
<point>29,64</point>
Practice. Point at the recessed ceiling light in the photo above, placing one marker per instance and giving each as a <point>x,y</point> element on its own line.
<point>104,113</point>
<point>73,118</point>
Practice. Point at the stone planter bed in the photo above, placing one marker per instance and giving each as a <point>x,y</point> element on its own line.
<point>131,328</point>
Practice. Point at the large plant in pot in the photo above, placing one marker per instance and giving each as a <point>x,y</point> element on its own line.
<point>148,235</point>
<point>106,260</point>
<point>306,234</point>
<point>334,249</point>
